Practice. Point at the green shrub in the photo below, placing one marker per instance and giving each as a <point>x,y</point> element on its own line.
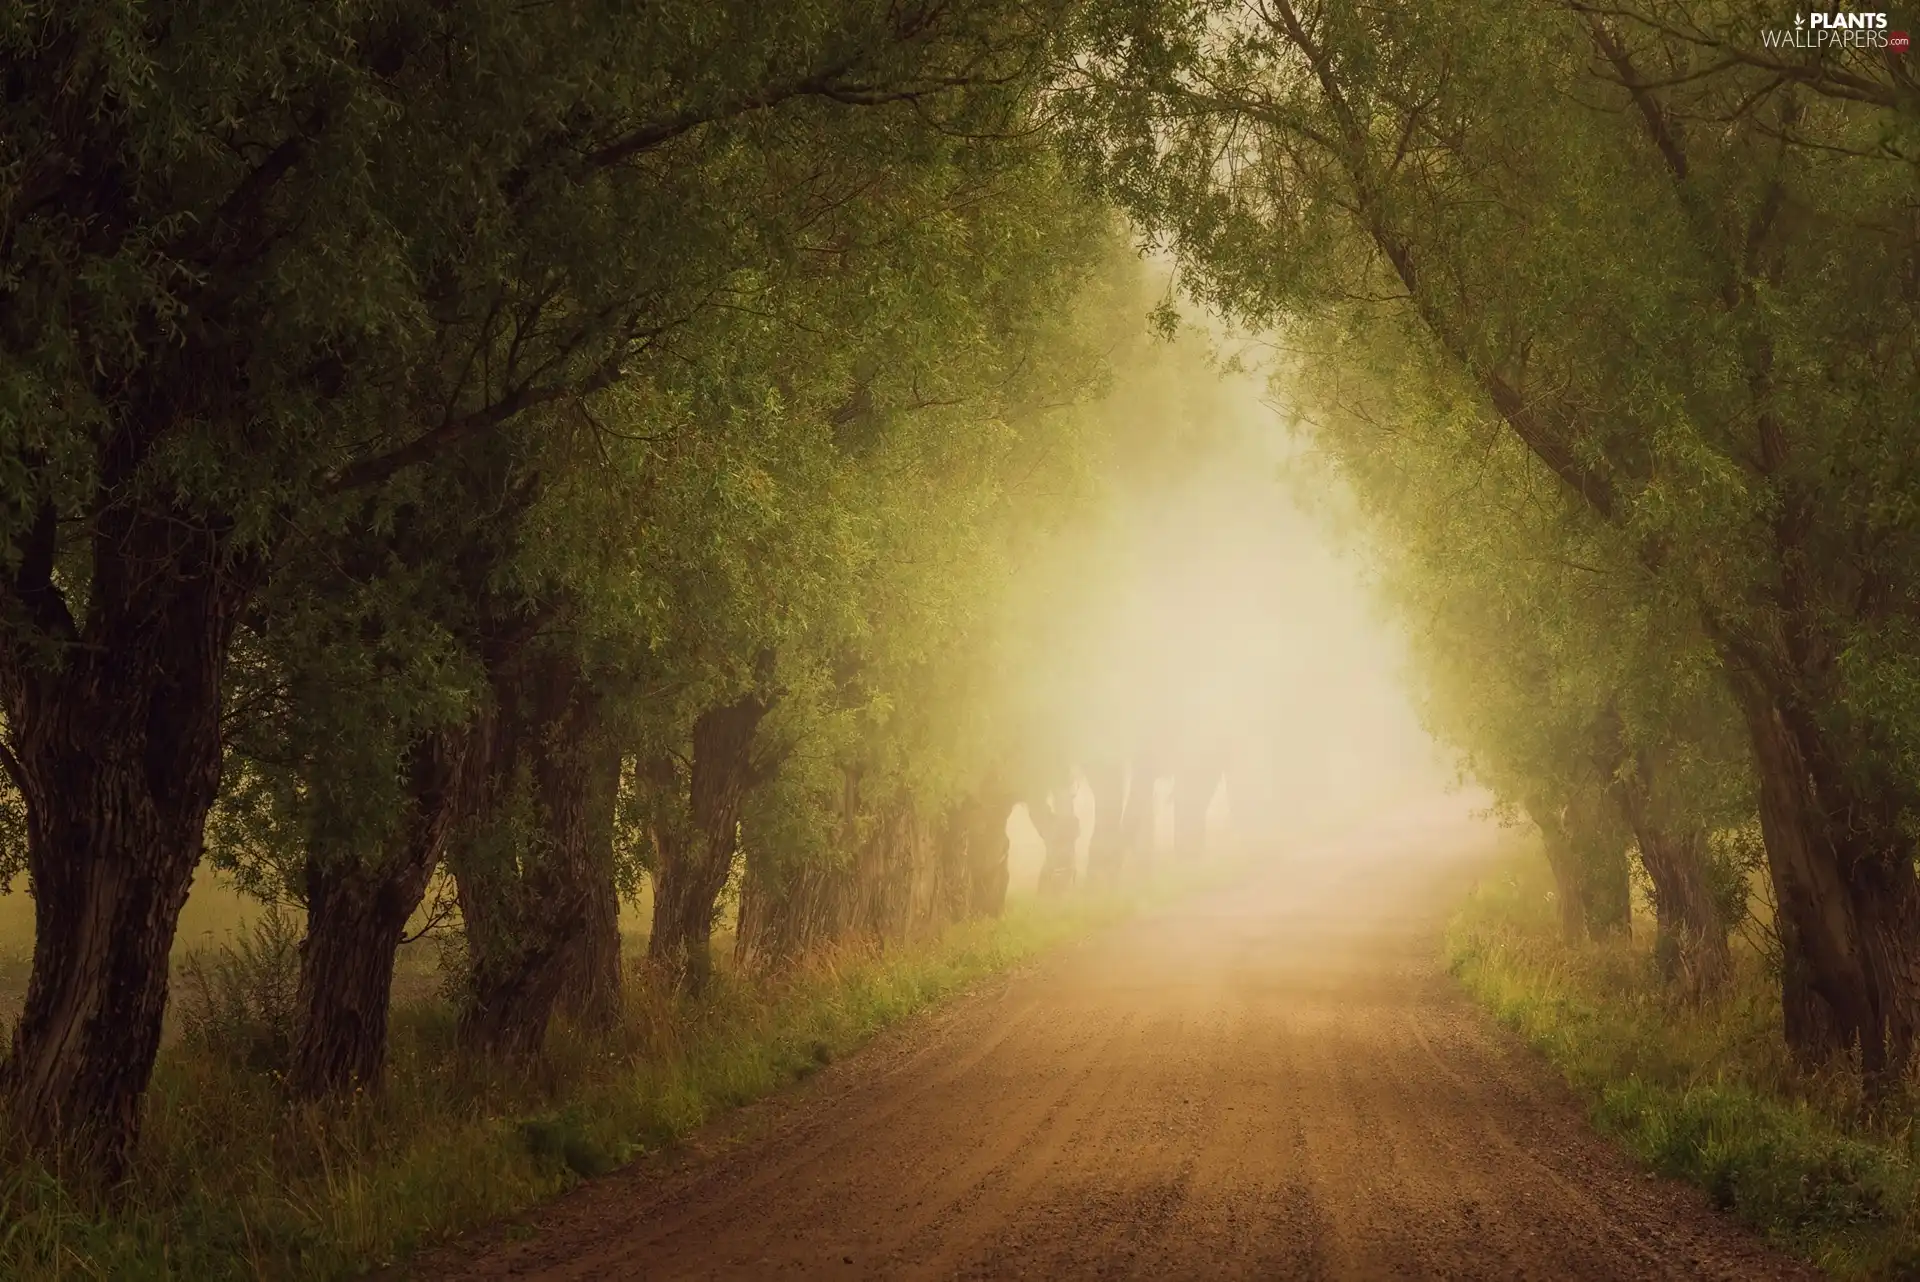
<point>237,1000</point>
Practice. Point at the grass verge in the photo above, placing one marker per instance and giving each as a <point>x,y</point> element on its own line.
<point>1706,1094</point>
<point>231,1183</point>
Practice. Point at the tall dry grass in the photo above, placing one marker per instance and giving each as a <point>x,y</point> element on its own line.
<point>232,1182</point>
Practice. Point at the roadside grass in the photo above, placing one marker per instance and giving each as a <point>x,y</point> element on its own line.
<point>1706,1094</point>
<point>230,1182</point>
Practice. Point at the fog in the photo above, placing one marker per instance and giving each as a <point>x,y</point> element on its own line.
<point>1227,612</point>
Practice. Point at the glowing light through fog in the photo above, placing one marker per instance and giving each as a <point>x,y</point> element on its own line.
<point>1228,624</point>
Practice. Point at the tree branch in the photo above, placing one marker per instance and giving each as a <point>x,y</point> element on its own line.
<point>452,431</point>
<point>33,583</point>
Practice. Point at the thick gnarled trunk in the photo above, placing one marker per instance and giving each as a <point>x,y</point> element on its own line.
<point>788,908</point>
<point>785,911</point>
<point>115,745</point>
<point>530,862</point>
<point>1846,896</point>
<point>357,912</point>
<point>894,876</point>
<point>1823,977</point>
<point>1690,942</point>
<point>1569,880</point>
<point>687,883</point>
<point>590,991</point>
<point>1599,843</point>
<point>696,837</point>
<point>1588,856</point>
<point>986,813</point>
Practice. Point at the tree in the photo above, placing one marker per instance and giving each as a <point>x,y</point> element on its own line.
<point>819,570</point>
<point>1086,682</point>
<point>1540,651</point>
<point>1674,280</point>
<point>257,265</point>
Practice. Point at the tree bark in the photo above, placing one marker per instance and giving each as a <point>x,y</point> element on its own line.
<point>357,912</point>
<point>528,868</point>
<point>695,847</point>
<point>1106,846</point>
<point>1690,943</point>
<point>1844,884</point>
<point>785,911</point>
<point>987,848</point>
<point>1569,879</point>
<point>892,876</point>
<point>1886,902</point>
<point>1826,985</point>
<point>902,880</point>
<point>686,892</point>
<point>114,738</point>
<point>590,989</point>
<point>1599,843</point>
<point>1811,1028</point>
<point>953,873</point>
<point>787,907</point>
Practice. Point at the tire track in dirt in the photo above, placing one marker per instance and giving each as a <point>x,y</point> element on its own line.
<point>1269,1081</point>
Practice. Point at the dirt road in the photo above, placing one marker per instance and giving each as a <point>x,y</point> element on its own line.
<point>1271,1081</point>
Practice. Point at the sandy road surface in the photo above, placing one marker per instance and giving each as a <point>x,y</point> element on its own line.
<point>1272,1081</point>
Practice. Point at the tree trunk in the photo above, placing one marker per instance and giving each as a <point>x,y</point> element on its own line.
<point>1599,843</point>
<point>1610,906</point>
<point>893,876</point>
<point>1886,899</point>
<point>357,912</point>
<point>954,888</point>
<point>1569,879</point>
<point>695,847</point>
<point>1107,845</point>
<point>1844,884</point>
<point>785,910</point>
<point>590,991</point>
<point>987,848</point>
<point>1690,944</point>
<point>1824,978</point>
<point>1051,814</point>
<point>686,893</point>
<point>788,908</point>
<point>1811,1028</point>
<point>528,869</point>
<point>902,881</point>
<point>115,746</point>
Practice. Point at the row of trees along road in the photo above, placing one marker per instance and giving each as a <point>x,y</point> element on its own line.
<point>552,444</point>
<point>1609,313</point>
<point>556,444</point>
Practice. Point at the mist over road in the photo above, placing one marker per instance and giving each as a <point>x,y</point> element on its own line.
<point>1273,1080</point>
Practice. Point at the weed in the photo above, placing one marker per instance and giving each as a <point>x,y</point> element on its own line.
<point>237,999</point>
